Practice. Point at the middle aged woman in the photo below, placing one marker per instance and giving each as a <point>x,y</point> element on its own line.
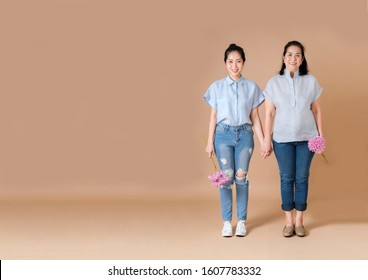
<point>292,117</point>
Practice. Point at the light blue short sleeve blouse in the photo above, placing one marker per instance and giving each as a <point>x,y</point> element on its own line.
<point>234,100</point>
<point>292,98</point>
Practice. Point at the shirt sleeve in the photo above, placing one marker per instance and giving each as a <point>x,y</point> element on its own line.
<point>317,90</point>
<point>267,93</point>
<point>210,97</point>
<point>258,97</point>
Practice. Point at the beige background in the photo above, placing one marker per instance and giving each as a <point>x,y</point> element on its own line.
<point>102,101</point>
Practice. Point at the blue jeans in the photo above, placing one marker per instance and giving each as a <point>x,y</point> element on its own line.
<point>234,147</point>
<point>294,160</point>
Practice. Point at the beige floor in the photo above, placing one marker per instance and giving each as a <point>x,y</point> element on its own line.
<point>175,229</point>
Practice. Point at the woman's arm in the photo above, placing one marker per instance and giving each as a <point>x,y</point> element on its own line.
<point>211,133</point>
<point>270,112</point>
<point>317,112</point>
<point>257,124</point>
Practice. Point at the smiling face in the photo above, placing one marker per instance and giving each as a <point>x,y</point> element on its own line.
<point>293,58</point>
<point>234,65</point>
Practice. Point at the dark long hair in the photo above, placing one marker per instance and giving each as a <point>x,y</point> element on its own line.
<point>234,48</point>
<point>303,68</point>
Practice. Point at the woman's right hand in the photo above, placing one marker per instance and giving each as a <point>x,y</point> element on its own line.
<point>210,150</point>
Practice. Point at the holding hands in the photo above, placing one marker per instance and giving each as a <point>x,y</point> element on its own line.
<point>266,149</point>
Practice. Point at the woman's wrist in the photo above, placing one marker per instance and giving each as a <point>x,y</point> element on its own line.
<point>267,140</point>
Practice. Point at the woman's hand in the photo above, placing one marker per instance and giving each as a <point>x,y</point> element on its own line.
<point>266,149</point>
<point>210,150</point>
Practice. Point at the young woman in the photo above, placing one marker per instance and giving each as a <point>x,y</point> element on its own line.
<point>234,101</point>
<point>293,116</point>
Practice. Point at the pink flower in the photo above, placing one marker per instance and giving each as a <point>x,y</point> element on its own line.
<point>218,179</point>
<point>317,144</point>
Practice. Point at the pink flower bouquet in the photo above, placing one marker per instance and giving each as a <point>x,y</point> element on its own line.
<point>317,145</point>
<point>218,179</point>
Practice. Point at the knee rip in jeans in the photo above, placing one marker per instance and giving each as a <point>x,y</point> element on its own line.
<point>241,175</point>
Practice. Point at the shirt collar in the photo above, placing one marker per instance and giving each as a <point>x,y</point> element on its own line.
<point>287,73</point>
<point>230,81</point>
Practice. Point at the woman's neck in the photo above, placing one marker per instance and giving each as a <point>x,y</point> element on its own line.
<point>235,78</point>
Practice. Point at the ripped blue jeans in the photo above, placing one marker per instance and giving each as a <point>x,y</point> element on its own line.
<point>234,148</point>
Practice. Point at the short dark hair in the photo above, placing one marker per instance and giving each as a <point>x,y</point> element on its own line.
<point>234,48</point>
<point>303,69</point>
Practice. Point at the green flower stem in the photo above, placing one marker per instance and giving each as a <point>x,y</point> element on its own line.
<point>325,158</point>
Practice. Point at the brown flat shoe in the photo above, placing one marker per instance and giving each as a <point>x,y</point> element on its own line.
<point>288,231</point>
<point>300,231</point>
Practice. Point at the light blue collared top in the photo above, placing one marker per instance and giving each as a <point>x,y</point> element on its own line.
<point>292,98</point>
<point>234,100</point>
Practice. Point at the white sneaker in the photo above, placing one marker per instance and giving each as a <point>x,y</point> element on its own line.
<point>227,230</point>
<point>241,229</point>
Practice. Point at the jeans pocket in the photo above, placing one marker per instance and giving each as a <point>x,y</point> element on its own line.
<point>221,129</point>
<point>249,128</point>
